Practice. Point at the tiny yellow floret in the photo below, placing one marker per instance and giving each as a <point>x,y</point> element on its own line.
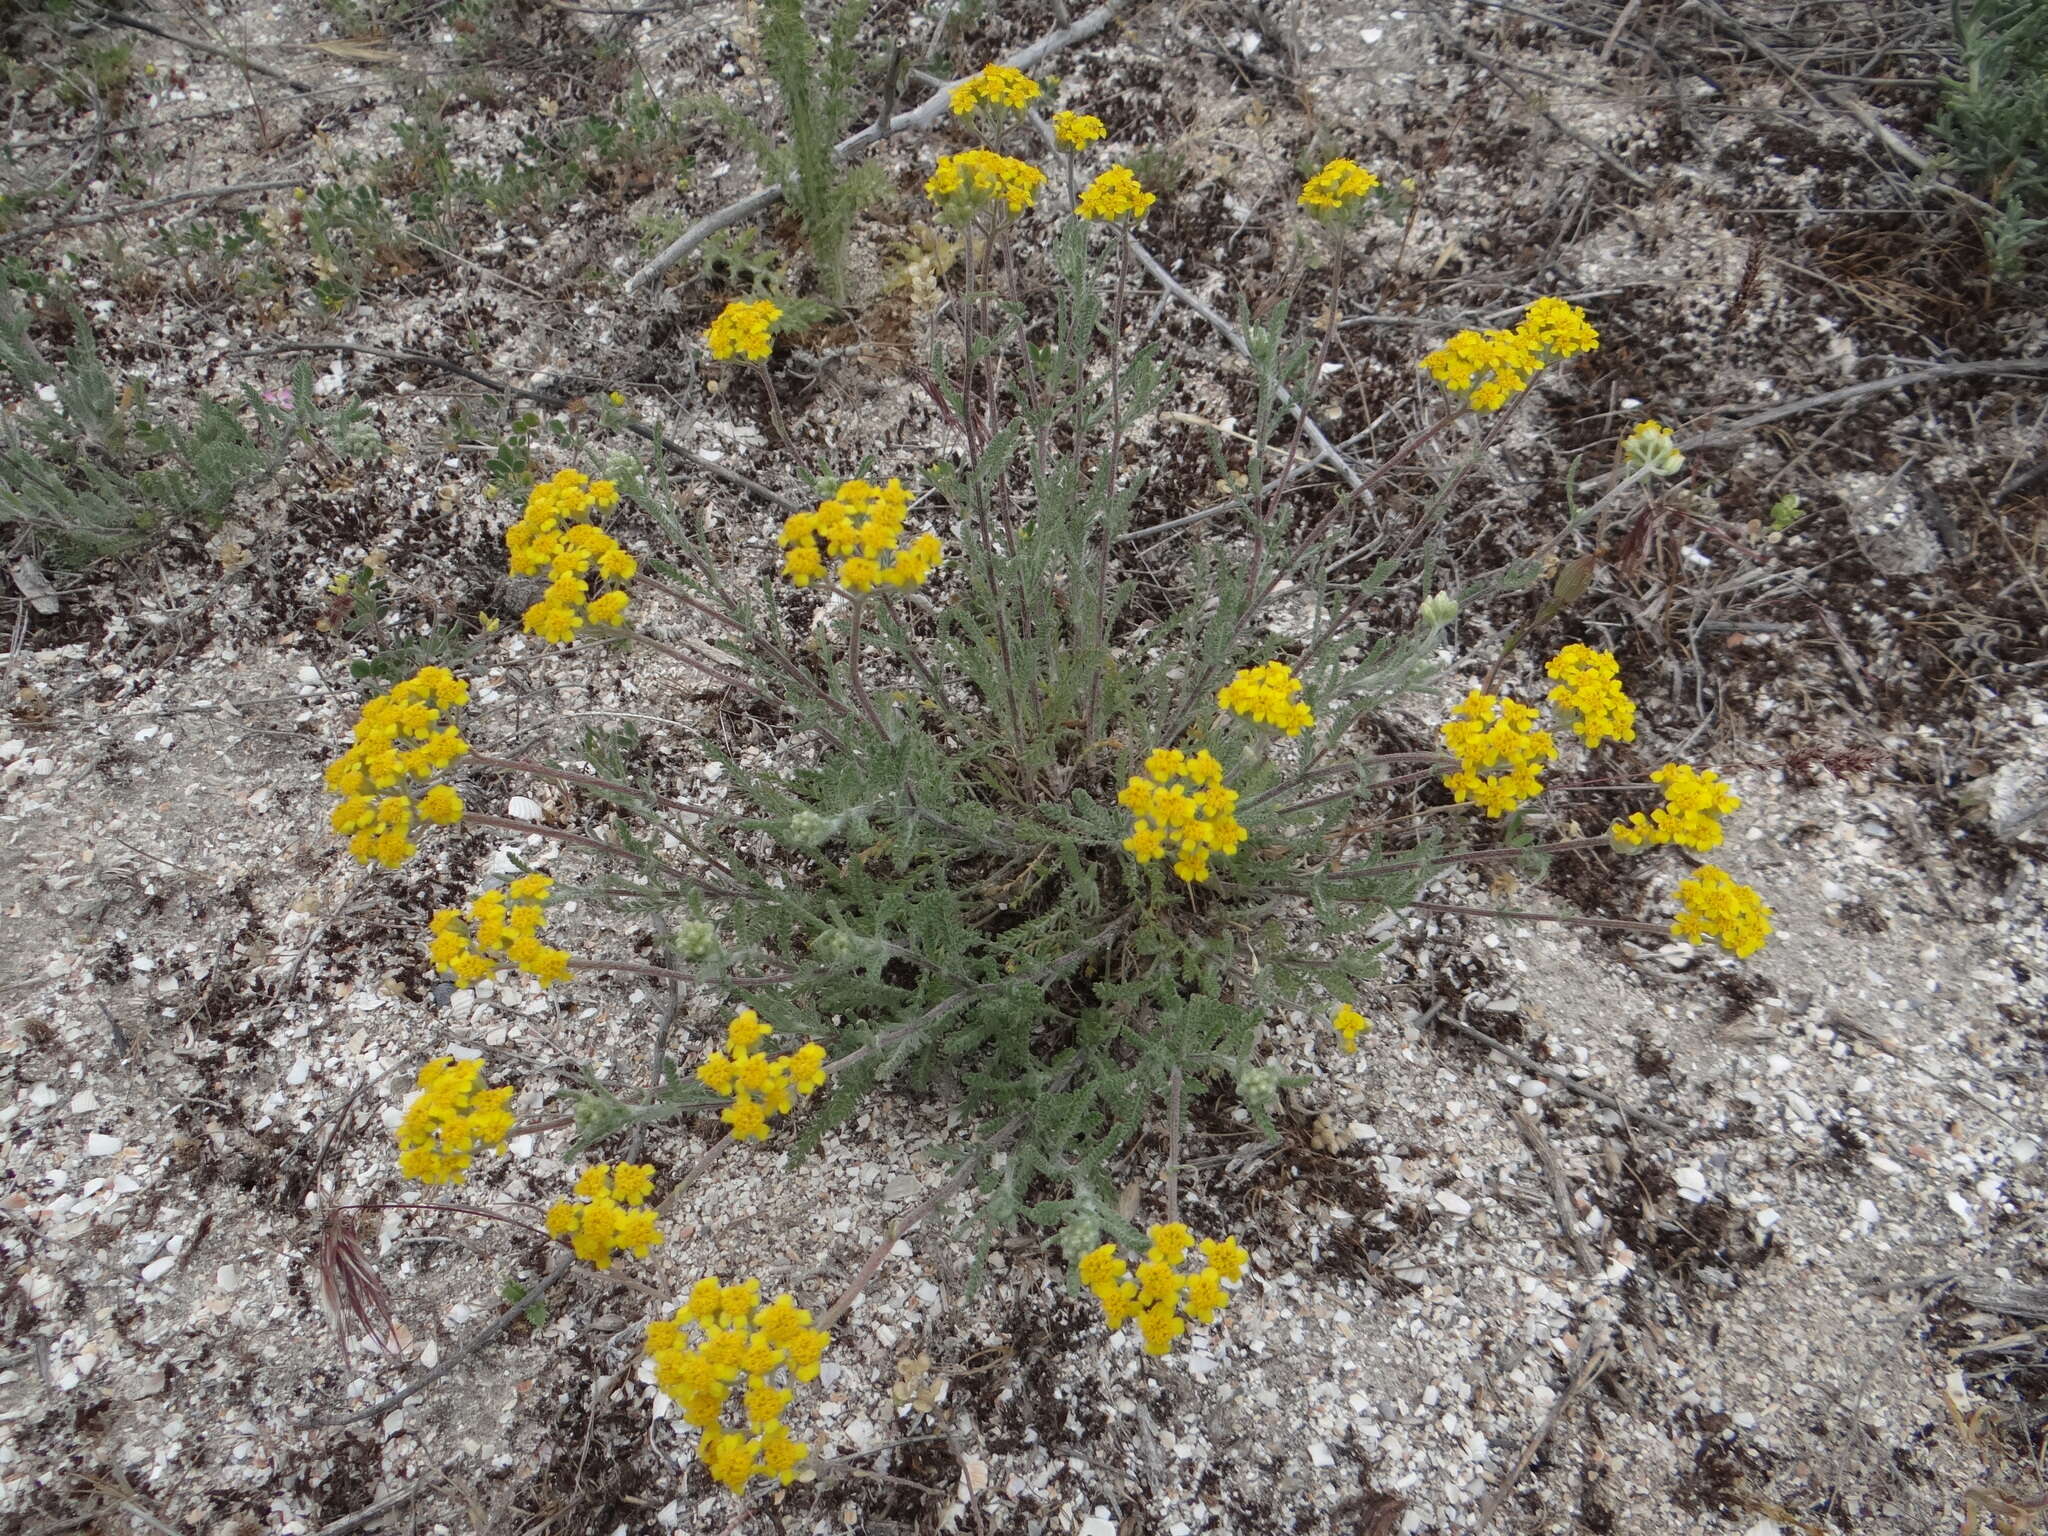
<point>1695,800</point>
<point>744,329</point>
<point>1075,131</point>
<point>1180,805</point>
<point>1487,369</point>
<point>1349,1025</point>
<point>1337,186</point>
<point>759,1086</point>
<point>1159,1297</point>
<point>997,86</point>
<point>1712,905</point>
<point>1589,695</point>
<point>1266,694</point>
<point>448,1122</point>
<point>1113,195</point>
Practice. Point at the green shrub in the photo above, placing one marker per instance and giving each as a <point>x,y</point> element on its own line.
<point>92,466</point>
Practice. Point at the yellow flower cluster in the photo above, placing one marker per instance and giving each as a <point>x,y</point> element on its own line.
<point>1489,368</point>
<point>1075,131</point>
<point>499,928</point>
<point>1115,194</point>
<point>399,745</point>
<point>1267,694</point>
<point>442,1129</point>
<point>1487,732</point>
<point>1695,800</point>
<point>1337,185</point>
<point>554,535</point>
<point>1350,1024</point>
<point>744,328</point>
<point>1652,447</point>
<point>758,1085</point>
<point>858,526</point>
<point>1179,804</point>
<point>1589,693</point>
<point>740,1338</point>
<point>1711,905</point>
<point>1160,1294</point>
<point>998,86</point>
<point>970,179</point>
<point>609,1214</point>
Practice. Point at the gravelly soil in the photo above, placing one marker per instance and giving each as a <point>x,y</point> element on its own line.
<point>1801,1288</point>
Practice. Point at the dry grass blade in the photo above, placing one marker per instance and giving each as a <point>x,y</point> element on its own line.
<point>352,1294</point>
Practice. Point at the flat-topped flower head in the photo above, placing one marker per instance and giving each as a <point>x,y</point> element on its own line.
<point>451,1120</point>
<point>1500,753</point>
<point>1713,905</point>
<point>1267,694</point>
<point>1337,188</point>
<point>860,526</point>
<point>966,183</point>
<point>402,741</point>
<point>608,1213</point>
<point>1349,1025</point>
<point>759,1086</point>
<point>1652,448</point>
<point>498,929</point>
<point>1179,805</point>
<point>1075,131</point>
<point>1113,195</point>
<point>1695,800</point>
<point>744,329</point>
<point>997,87</point>
<point>723,1348</point>
<point>1590,696</point>
<point>1487,369</point>
<point>587,568</point>
<point>1158,1295</point>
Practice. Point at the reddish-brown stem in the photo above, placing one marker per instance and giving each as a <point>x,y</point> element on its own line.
<point>631,968</point>
<point>567,776</point>
<point>1617,924</point>
<point>435,1205</point>
<point>575,839</point>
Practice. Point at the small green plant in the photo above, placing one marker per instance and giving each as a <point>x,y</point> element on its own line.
<point>1078,806</point>
<point>1994,121</point>
<point>91,465</point>
<point>818,76</point>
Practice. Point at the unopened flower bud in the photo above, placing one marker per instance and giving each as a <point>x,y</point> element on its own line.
<point>807,829</point>
<point>1651,447</point>
<point>1438,611</point>
<point>696,942</point>
<point>1259,1087</point>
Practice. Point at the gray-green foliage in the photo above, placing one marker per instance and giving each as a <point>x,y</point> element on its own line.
<point>819,79</point>
<point>92,465</point>
<point>1994,120</point>
<point>938,891</point>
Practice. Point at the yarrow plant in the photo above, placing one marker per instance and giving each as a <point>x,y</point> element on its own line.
<point>608,1214</point>
<point>744,330</point>
<point>498,929</point>
<point>1269,695</point>
<point>973,748</point>
<point>1337,188</point>
<point>1114,195</point>
<point>759,1086</point>
<point>555,537</point>
<point>1487,369</point>
<point>386,779</point>
<point>1180,805</point>
<point>1161,1299</point>
<point>1075,131</point>
<point>861,527</point>
<point>998,86</point>
<point>965,183</point>
<point>722,1337</point>
<point>450,1121</point>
